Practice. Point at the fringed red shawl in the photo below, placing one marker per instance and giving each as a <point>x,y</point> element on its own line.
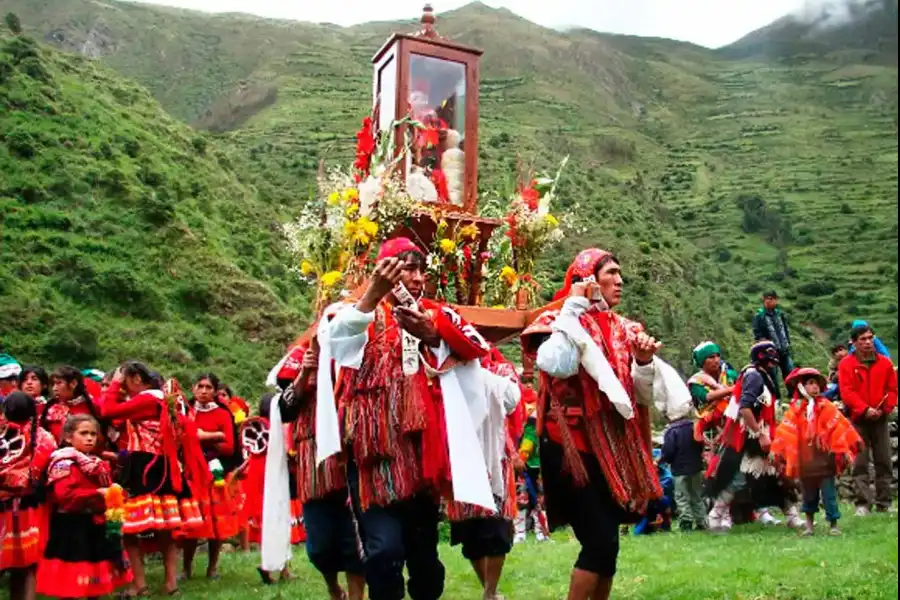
<point>798,439</point>
<point>582,419</point>
<point>394,424</point>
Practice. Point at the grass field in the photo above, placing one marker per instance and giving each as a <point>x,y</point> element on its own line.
<point>749,563</point>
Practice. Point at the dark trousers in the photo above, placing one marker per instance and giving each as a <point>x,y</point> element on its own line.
<point>331,535</point>
<point>785,366</point>
<point>402,533</point>
<point>878,444</point>
<point>825,489</point>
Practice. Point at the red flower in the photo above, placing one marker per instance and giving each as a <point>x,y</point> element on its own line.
<point>531,197</point>
<point>440,184</point>
<point>430,137</point>
<point>365,148</point>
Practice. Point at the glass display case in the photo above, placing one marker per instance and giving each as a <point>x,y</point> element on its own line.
<point>433,82</point>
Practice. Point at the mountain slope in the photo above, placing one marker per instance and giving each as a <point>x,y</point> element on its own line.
<point>125,233</point>
<point>713,178</point>
<point>860,30</point>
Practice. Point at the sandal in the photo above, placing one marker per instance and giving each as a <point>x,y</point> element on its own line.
<point>143,592</point>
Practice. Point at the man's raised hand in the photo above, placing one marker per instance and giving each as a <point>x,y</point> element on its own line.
<point>385,276</point>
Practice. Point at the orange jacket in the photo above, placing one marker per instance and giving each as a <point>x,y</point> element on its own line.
<point>865,387</point>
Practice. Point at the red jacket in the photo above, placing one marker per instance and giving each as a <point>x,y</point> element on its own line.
<point>865,387</point>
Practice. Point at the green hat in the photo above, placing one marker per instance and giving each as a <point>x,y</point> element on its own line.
<point>95,374</point>
<point>704,351</point>
<point>9,367</point>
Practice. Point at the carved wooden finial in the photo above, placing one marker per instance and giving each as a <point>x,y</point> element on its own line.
<point>427,21</point>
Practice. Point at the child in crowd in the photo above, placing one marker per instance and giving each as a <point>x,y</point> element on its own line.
<point>832,391</point>
<point>658,516</point>
<point>529,488</point>
<point>814,443</point>
<point>84,557</point>
<point>25,450</point>
<point>684,454</point>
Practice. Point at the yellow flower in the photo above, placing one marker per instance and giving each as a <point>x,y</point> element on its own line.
<point>331,278</point>
<point>350,195</point>
<point>306,268</point>
<point>500,306</point>
<point>551,220</point>
<point>351,209</point>
<point>350,229</point>
<point>469,232</point>
<point>368,226</point>
<point>334,198</point>
<point>344,258</point>
<point>509,276</point>
<point>447,246</point>
<point>361,237</point>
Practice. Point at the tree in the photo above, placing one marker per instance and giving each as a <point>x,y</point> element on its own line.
<point>13,23</point>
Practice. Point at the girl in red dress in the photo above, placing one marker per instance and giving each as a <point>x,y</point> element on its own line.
<point>219,505</point>
<point>69,398</point>
<point>35,382</point>
<point>162,468</point>
<point>241,411</point>
<point>237,405</point>
<point>81,560</point>
<point>23,513</point>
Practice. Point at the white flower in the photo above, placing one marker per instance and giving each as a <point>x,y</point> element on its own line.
<point>368,195</point>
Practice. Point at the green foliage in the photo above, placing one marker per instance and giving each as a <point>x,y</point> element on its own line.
<point>122,238</point>
<point>12,22</point>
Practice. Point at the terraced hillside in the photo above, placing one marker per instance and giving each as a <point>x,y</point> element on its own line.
<point>792,173</point>
<point>676,151</point>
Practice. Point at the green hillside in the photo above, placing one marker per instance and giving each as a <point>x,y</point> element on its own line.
<point>125,234</point>
<point>712,178</point>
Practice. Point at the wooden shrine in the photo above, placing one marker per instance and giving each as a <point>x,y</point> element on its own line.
<point>426,88</point>
<point>435,81</point>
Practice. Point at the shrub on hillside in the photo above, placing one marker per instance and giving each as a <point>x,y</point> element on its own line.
<point>71,342</point>
<point>157,207</point>
<point>21,143</point>
<point>817,288</point>
<point>13,23</point>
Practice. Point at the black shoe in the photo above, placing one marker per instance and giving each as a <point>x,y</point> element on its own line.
<point>265,576</point>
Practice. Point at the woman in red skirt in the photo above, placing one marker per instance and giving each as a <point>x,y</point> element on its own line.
<point>82,559</point>
<point>161,493</point>
<point>25,452</point>
<point>219,506</point>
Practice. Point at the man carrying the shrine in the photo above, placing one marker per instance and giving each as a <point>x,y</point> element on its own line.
<point>412,400</point>
<point>598,376</point>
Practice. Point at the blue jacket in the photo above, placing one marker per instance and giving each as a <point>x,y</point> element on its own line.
<point>680,450</point>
